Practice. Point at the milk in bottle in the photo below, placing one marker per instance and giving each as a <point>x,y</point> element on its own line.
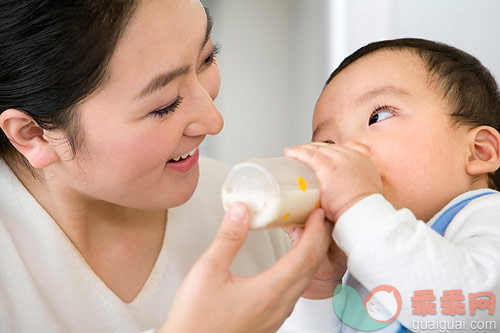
<point>279,191</point>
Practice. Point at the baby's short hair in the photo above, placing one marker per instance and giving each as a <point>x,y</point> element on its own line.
<point>468,87</point>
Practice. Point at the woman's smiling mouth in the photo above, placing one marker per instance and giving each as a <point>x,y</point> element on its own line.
<point>191,153</point>
<point>184,162</point>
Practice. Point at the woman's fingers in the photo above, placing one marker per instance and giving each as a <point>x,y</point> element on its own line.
<point>230,238</point>
<point>258,303</point>
<point>292,273</point>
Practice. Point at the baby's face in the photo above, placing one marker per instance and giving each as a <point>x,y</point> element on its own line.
<point>384,101</point>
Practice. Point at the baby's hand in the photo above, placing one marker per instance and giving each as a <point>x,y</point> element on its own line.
<point>345,172</point>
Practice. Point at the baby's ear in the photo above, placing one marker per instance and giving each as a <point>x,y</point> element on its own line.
<point>28,138</point>
<point>484,149</point>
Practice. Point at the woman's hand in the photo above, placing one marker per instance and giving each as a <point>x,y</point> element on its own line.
<point>330,272</point>
<point>212,299</point>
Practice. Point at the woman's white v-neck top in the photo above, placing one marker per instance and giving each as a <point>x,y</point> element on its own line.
<point>46,285</point>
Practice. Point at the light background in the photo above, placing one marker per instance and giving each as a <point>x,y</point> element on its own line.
<point>277,54</point>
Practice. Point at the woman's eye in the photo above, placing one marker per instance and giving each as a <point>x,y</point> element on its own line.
<point>213,56</point>
<point>380,113</point>
<point>164,111</point>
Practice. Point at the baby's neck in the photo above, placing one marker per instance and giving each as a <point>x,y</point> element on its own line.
<point>479,182</point>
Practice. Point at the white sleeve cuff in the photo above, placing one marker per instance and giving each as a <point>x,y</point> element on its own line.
<point>361,216</point>
<point>312,315</point>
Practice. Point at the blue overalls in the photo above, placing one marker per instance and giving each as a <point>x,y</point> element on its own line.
<point>442,223</point>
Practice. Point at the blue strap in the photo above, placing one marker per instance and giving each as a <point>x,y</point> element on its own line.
<point>442,223</point>
<point>444,220</point>
<point>402,329</point>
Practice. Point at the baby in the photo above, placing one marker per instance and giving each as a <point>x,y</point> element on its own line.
<point>407,150</point>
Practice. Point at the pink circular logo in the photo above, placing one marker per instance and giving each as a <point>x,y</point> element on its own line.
<point>383,303</point>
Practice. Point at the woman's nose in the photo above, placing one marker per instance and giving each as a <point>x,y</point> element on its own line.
<point>206,118</point>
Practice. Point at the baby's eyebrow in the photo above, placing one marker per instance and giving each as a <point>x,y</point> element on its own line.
<point>315,132</point>
<point>385,90</point>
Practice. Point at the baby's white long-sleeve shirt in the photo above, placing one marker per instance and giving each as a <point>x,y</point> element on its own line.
<point>389,246</point>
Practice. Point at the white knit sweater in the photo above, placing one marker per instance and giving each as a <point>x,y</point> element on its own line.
<point>46,285</point>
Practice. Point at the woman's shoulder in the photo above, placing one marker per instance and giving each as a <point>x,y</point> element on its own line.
<point>212,170</point>
<point>210,162</point>
<point>206,199</point>
<point>212,175</point>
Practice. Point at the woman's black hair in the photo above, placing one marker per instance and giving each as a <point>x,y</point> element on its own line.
<point>53,54</point>
<point>467,86</point>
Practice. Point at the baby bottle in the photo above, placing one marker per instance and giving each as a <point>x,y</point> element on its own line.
<point>278,191</point>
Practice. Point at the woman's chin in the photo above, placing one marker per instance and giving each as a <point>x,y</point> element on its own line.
<point>181,190</point>
<point>173,190</point>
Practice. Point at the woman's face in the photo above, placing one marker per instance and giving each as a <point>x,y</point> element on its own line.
<point>155,106</point>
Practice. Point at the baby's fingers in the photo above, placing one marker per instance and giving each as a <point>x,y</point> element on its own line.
<point>311,155</point>
<point>363,149</point>
<point>294,233</point>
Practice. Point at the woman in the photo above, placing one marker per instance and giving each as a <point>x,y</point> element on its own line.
<point>104,105</point>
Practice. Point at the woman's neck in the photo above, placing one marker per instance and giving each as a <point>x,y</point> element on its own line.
<point>120,244</point>
<point>81,217</point>
<point>111,238</point>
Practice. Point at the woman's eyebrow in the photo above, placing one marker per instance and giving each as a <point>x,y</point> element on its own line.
<point>161,80</point>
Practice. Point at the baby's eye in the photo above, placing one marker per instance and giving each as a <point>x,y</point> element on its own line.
<point>380,113</point>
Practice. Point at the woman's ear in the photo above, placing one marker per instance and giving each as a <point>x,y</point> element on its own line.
<point>484,150</point>
<point>28,138</point>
